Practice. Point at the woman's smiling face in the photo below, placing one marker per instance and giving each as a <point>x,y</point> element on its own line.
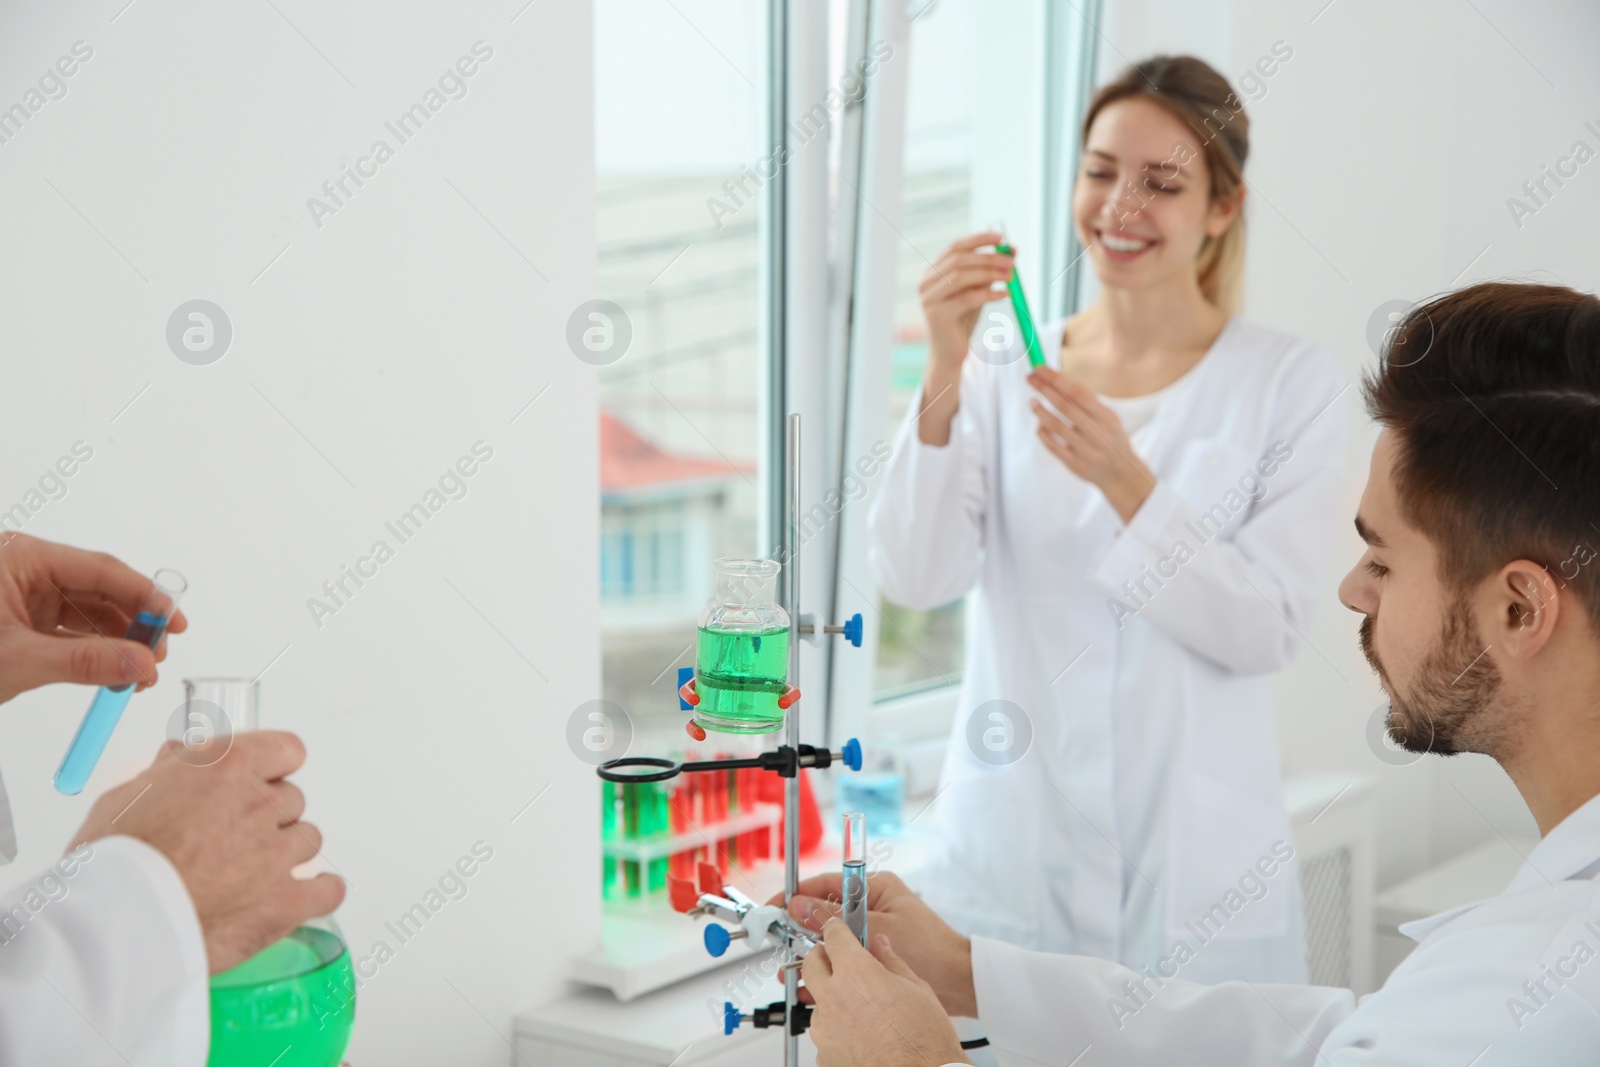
<point>1142,201</point>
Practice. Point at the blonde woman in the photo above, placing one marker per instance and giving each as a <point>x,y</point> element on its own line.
<point>1144,523</point>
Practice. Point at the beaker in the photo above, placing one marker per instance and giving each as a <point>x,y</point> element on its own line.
<point>292,1004</point>
<point>214,709</point>
<point>239,701</point>
<point>741,664</point>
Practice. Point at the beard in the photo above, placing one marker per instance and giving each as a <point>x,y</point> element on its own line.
<point>1449,705</point>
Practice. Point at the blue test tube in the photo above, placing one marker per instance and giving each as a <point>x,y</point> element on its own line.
<point>148,627</point>
<point>854,887</point>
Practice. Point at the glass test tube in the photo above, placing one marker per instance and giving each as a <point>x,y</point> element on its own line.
<point>1019,304</point>
<point>149,625</point>
<point>854,886</point>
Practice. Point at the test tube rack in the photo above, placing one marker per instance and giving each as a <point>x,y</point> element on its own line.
<point>655,829</point>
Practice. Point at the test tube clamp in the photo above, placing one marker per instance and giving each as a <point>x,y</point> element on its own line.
<point>762,1018</point>
<point>850,629</point>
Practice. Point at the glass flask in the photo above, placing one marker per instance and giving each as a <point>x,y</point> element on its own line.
<point>741,664</point>
<point>292,1004</point>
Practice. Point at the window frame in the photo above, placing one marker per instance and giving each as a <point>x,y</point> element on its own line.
<point>863,310</point>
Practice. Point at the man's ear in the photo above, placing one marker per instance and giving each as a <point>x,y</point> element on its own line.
<point>1527,602</point>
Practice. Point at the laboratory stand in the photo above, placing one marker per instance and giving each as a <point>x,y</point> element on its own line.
<point>739,686</point>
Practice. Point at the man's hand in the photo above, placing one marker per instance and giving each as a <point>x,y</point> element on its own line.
<point>63,612</point>
<point>871,1009</point>
<point>939,955</point>
<point>233,831</point>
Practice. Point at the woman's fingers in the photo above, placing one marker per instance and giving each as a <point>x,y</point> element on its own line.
<point>1063,440</point>
<point>943,286</point>
<point>1048,383</point>
<point>974,241</point>
<point>1059,450</point>
<point>1067,393</point>
<point>1067,431</point>
<point>994,261</point>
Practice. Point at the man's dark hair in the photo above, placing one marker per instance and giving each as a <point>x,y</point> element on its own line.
<point>1493,395</point>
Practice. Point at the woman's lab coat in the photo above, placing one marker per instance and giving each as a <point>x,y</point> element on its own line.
<point>1132,662</point>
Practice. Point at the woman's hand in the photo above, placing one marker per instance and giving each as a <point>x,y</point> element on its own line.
<point>1090,440</point>
<point>954,291</point>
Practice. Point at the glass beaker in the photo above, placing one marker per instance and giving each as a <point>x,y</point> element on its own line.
<point>741,664</point>
<point>214,709</point>
<point>292,1004</point>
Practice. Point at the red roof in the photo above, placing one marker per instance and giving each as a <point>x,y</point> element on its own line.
<point>629,462</point>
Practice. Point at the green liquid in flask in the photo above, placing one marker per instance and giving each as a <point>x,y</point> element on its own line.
<point>292,1005</point>
<point>740,674</point>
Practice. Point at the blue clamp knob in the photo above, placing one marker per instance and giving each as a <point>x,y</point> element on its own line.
<point>730,1017</point>
<point>684,674</point>
<point>717,939</point>
<point>852,752</point>
<point>852,629</point>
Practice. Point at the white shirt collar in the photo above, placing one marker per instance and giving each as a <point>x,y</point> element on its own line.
<point>1572,848</point>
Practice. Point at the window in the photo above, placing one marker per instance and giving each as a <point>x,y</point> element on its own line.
<point>975,130</point>
<point>922,649</point>
<point>966,109</point>
<point>679,114</point>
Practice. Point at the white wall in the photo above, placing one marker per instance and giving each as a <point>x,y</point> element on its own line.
<point>1382,156</point>
<point>365,360</point>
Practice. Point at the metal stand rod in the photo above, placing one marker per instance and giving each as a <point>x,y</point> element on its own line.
<point>791,786</point>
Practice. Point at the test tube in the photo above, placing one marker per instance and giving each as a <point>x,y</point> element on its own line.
<point>854,887</point>
<point>1019,304</point>
<point>148,627</point>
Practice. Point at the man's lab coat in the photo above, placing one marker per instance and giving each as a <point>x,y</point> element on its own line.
<point>1513,981</point>
<point>102,962</point>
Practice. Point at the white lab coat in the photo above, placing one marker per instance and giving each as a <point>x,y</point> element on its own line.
<point>1151,784</point>
<point>104,965</point>
<point>1513,981</point>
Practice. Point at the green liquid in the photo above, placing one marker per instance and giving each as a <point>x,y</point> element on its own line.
<point>292,1005</point>
<point>1019,304</point>
<point>740,675</point>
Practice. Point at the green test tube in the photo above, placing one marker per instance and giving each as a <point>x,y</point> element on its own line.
<point>1019,304</point>
<point>632,805</point>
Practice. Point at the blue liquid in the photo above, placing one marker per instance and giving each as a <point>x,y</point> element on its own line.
<point>880,797</point>
<point>853,889</point>
<point>101,718</point>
